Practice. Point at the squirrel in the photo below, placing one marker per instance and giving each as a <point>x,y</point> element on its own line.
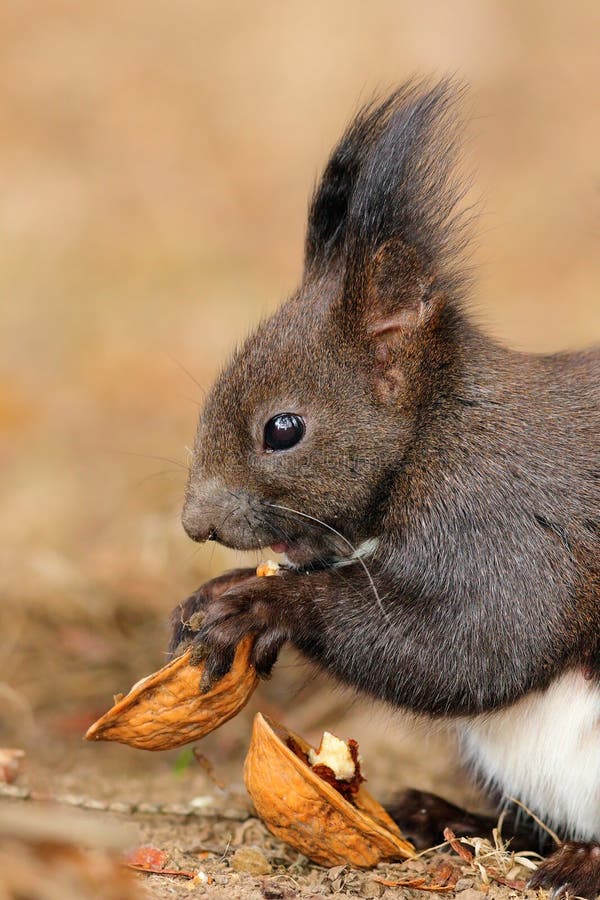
<point>437,495</point>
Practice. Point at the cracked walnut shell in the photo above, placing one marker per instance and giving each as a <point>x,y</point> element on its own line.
<point>306,812</point>
<point>166,709</point>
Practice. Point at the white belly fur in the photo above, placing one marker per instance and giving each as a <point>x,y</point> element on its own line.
<point>545,752</point>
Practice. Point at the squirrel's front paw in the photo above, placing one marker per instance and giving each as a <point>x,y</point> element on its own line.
<point>188,615</point>
<point>250,608</point>
<point>573,870</point>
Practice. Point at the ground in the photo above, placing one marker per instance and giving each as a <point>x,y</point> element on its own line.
<point>209,838</point>
<point>198,813</point>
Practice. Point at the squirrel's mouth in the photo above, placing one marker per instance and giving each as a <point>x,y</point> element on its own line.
<point>280,547</point>
<point>299,555</point>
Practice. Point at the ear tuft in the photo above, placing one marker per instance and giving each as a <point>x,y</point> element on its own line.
<point>328,211</point>
<point>405,231</point>
<point>356,168</point>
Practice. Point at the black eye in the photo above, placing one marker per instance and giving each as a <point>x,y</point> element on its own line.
<point>283,431</point>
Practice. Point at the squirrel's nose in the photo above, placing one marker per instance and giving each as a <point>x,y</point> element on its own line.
<point>202,510</point>
<point>196,528</point>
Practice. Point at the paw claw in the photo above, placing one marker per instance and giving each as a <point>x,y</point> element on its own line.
<point>564,890</point>
<point>188,616</point>
<point>266,651</point>
<point>216,667</point>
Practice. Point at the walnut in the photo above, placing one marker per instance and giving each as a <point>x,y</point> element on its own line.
<point>310,813</point>
<point>167,709</point>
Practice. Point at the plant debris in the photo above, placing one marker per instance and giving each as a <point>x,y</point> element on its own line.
<point>494,861</point>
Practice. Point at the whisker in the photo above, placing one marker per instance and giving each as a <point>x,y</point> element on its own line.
<point>227,517</point>
<point>281,532</point>
<point>251,527</point>
<point>188,373</point>
<point>189,557</point>
<point>325,561</point>
<point>342,537</point>
<point>152,475</point>
<point>174,462</point>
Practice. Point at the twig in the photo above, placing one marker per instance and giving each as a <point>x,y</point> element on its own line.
<point>418,884</point>
<point>184,873</point>
<point>538,821</point>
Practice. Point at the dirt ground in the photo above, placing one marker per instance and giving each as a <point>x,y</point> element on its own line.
<point>204,821</point>
<point>207,829</point>
<point>213,841</point>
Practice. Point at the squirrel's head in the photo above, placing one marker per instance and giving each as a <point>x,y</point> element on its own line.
<point>304,433</point>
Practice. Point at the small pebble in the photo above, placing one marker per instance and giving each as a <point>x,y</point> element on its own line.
<point>335,872</point>
<point>238,815</point>
<point>371,889</point>
<point>250,860</point>
<point>463,883</point>
<point>148,808</point>
<point>15,791</point>
<point>70,799</point>
<point>470,894</point>
<point>272,891</point>
<point>176,809</point>
<point>202,802</point>
<point>119,806</point>
<point>90,803</point>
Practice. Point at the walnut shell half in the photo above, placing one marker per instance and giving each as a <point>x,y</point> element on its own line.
<point>301,809</point>
<point>167,710</point>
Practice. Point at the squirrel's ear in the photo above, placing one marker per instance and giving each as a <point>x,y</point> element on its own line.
<point>397,293</point>
<point>397,303</point>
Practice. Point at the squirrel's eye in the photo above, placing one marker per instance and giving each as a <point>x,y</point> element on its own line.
<point>283,431</point>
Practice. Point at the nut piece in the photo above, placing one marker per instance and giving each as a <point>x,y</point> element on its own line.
<point>336,755</point>
<point>306,812</point>
<point>267,569</point>
<point>167,710</point>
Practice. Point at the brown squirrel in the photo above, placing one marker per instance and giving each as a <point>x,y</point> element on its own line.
<point>437,495</point>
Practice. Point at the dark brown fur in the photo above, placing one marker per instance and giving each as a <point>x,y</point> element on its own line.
<point>475,466</point>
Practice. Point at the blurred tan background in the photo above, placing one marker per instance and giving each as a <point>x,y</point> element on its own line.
<point>155,163</point>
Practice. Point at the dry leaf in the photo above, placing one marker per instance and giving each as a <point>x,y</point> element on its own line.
<point>11,763</point>
<point>148,858</point>
<point>152,860</point>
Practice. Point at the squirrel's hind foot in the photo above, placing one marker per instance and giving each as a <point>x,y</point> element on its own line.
<point>423,817</point>
<point>573,870</point>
